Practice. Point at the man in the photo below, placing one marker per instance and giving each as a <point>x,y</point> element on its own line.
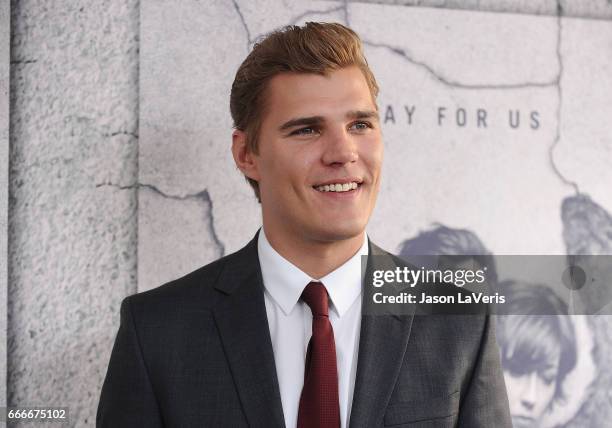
<point>273,335</point>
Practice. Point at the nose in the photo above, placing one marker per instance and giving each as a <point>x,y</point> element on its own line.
<point>530,391</point>
<point>340,148</point>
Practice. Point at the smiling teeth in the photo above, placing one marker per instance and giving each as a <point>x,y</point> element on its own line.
<point>337,187</point>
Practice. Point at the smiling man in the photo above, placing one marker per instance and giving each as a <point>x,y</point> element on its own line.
<point>274,335</point>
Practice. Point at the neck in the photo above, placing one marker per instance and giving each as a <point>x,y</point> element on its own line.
<point>314,257</point>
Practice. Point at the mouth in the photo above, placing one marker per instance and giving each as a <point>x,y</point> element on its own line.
<point>523,422</point>
<point>340,186</point>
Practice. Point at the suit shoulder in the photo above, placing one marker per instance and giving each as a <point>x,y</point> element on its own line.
<point>203,277</point>
<point>196,289</point>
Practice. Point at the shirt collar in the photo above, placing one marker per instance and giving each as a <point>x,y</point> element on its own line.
<point>285,281</point>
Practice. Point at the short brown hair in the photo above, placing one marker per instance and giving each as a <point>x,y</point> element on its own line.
<point>314,48</point>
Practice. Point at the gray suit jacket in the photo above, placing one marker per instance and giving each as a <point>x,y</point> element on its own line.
<point>196,352</point>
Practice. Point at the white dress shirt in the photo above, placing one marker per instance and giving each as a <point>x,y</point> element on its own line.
<point>290,322</point>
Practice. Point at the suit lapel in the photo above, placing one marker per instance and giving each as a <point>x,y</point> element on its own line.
<point>382,345</point>
<point>240,314</point>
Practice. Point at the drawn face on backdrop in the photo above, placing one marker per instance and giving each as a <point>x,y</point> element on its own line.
<point>320,155</point>
<point>530,394</point>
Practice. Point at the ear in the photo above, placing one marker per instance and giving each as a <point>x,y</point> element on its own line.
<point>245,159</point>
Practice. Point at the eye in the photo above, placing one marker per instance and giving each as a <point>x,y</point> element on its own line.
<point>304,131</point>
<point>547,378</point>
<point>361,126</point>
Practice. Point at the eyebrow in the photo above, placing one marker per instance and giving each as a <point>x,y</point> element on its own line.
<point>317,120</point>
<point>301,121</point>
<point>362,114</point>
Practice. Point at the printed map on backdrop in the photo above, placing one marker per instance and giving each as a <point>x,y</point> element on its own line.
<point>495,124</point>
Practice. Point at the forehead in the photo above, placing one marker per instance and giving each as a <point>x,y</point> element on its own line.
<point>297,94</point>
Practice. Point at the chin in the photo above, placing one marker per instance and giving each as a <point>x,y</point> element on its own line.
<point>339,233</point>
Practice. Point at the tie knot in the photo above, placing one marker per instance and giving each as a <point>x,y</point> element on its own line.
<point>315,296</point>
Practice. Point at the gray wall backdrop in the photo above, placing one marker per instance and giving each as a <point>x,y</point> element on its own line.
<point>4,158</point>
<point>72,257</point>
<point>120,175</point>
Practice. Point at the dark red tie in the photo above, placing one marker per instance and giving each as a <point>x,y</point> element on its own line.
<point>319,403</point>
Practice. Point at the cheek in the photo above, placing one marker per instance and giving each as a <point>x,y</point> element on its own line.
<point>304,160</point>
<point>290,157</point>
<point>284,173</point>
<point>272,164</point>
<point>372,154</point>
<point>547,391</point>
<point>513,389</point>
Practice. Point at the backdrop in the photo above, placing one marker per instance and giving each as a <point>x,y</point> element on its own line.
<point>495,121</point>
<point>495,124</point>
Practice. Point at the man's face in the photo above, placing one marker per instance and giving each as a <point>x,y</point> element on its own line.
<point>320,155</point>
